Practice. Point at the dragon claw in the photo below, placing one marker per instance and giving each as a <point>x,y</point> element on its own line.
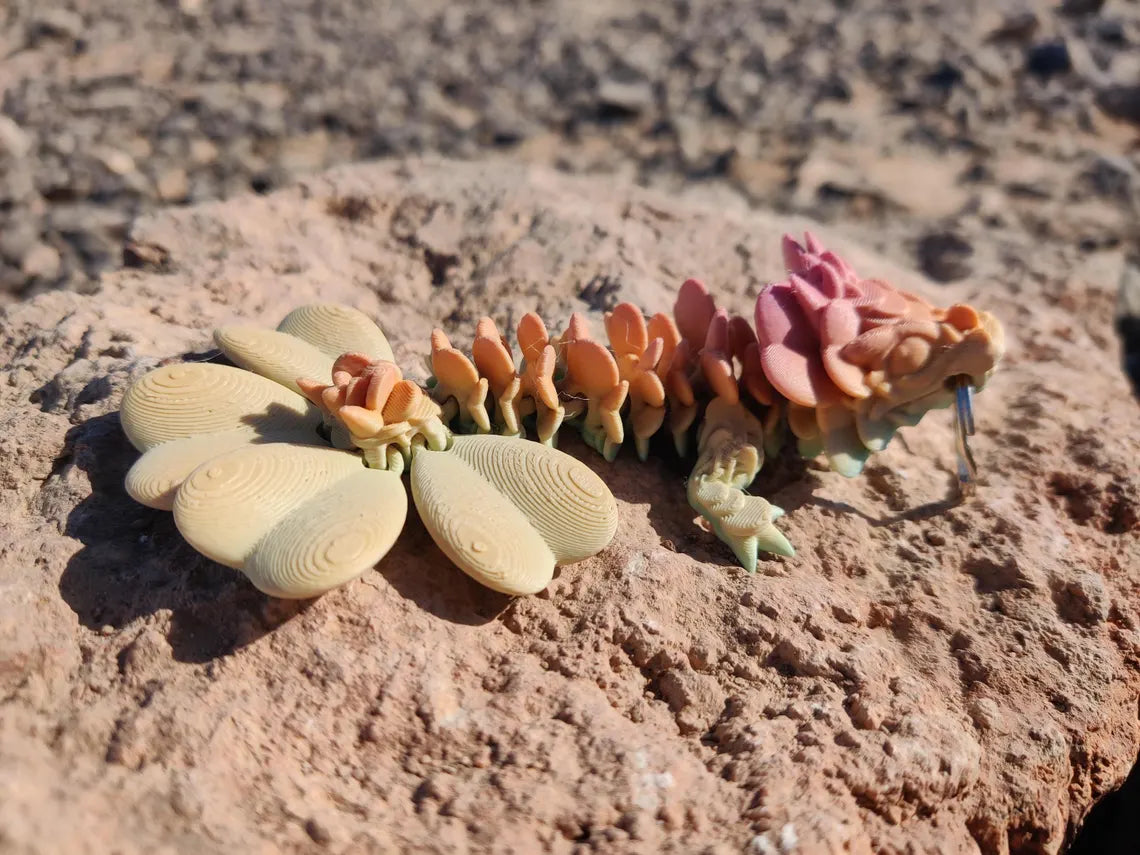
<point>742,521</point>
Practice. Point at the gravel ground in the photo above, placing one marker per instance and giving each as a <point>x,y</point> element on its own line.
<point>951,122</point>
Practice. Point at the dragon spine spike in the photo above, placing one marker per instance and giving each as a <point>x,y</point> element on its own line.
<point>532,336</point>
<point>626,330</point>
<point>458,386</point>
<point>663,327</point>
<point>694,311</point>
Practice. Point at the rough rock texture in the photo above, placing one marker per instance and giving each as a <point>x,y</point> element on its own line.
<point>924,676</point>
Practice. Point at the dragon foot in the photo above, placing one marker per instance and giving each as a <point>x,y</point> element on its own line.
<point>730,453</point>
<point>745,523</point>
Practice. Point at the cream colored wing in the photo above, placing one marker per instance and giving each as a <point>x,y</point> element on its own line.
<point>156,476</point>
<point>477,527</point>
<point>298,520</point>
<point>279,356</point>
<point>569,505</point>
<point>335,329</point>
<point>331,539</point>
<point>198,398</point>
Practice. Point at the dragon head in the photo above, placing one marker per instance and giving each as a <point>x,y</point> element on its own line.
<point>857,358</point>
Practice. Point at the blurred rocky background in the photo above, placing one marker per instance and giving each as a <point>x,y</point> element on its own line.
<point>959,124</point>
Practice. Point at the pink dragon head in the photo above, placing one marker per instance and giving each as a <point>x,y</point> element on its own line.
<point>862,355</point>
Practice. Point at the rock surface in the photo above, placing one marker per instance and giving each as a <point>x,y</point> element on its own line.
<point>924,676</point>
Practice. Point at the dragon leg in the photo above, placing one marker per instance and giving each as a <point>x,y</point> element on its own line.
<point>729,454</point>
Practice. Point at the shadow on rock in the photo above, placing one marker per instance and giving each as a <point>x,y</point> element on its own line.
<point>925,511</point>
<point>1112,827</point>
<point>134,563</point>
<point>798,492</point>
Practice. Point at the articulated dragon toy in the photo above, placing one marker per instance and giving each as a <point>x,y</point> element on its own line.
<point>295,480</point>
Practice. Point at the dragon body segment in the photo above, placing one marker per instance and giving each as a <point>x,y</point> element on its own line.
<point>842,362</point>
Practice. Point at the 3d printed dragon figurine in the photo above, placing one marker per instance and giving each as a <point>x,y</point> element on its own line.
<point>243,457</point>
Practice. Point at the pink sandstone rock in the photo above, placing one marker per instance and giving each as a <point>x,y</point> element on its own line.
<point>923,676</point>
